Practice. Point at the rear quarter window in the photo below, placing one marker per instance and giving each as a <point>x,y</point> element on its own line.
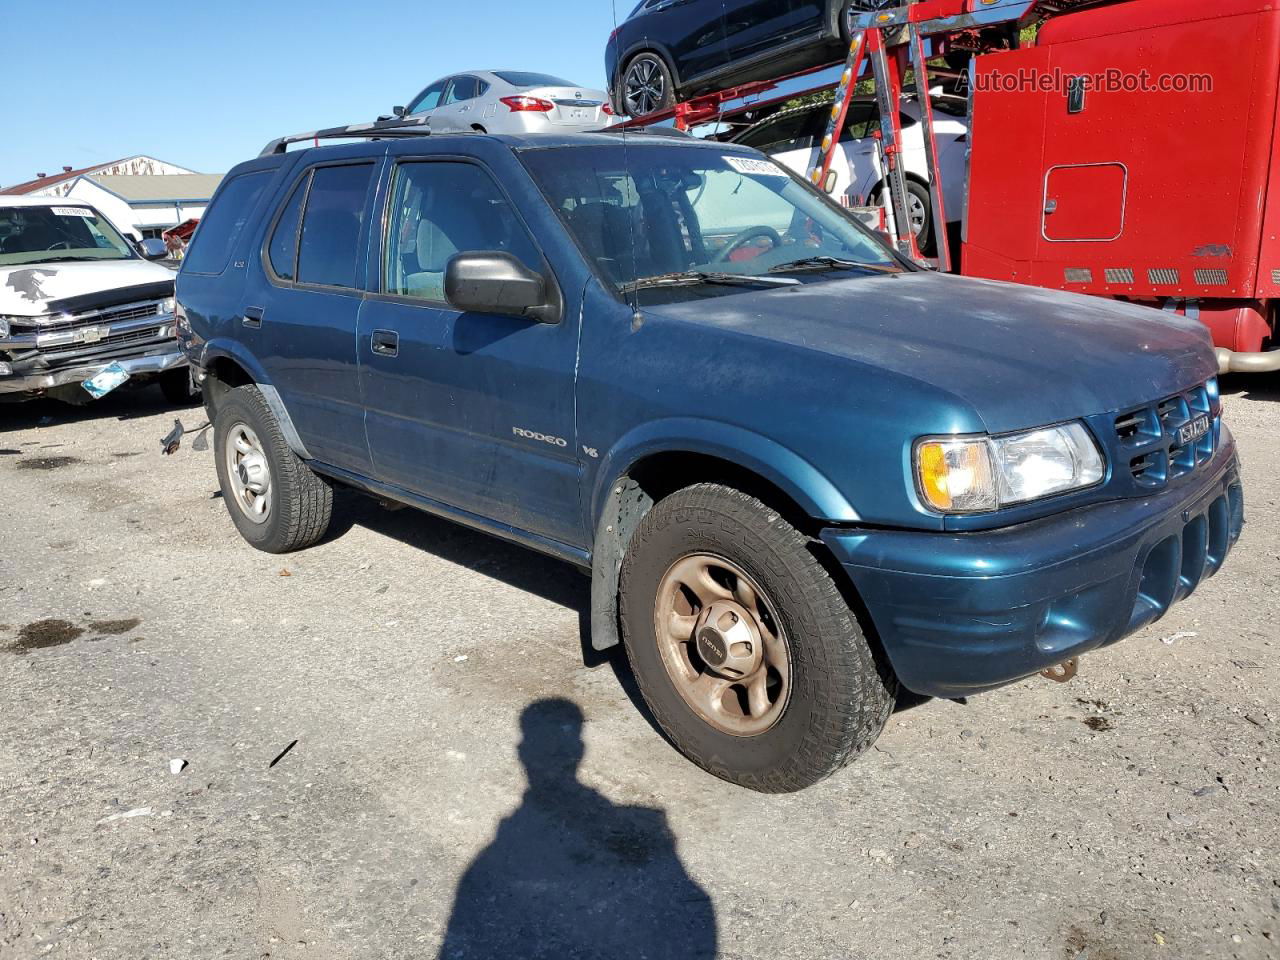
<point>220,227</point>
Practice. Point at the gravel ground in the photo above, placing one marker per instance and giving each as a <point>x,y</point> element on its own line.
<point>356,721</point>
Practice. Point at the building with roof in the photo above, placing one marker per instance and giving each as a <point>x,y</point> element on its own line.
<point>141,194</point>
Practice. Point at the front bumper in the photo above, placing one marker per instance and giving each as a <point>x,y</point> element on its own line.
<point>962,613</point>
<point>155,360</point>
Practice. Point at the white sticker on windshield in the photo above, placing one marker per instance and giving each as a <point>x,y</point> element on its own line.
<point>73,212</point>
<point>759,168</point>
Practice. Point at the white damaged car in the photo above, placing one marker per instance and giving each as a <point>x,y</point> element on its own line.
<point>82,310</point>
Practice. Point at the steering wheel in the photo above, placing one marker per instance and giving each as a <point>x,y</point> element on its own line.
<point>64,244</point>
<point>746,236</point>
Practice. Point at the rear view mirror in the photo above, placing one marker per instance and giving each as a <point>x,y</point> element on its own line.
<point>496,282</point>
<point>399,111</point>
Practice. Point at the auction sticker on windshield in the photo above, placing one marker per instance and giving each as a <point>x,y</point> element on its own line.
<point>73,212</point>
<point>766,168</point>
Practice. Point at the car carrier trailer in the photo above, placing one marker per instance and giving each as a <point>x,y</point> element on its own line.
<point>1127,152</point>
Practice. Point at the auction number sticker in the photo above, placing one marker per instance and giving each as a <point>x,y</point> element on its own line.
<point>74,212</point>
<point>759,168</point>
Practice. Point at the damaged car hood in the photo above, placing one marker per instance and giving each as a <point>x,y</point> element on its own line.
<point>1018,356</point>
<point>27,290</point>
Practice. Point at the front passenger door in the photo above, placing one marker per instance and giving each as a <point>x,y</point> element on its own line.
<point>474,410</point>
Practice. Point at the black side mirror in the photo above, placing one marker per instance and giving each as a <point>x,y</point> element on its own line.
<point>496,282</point>
<point>399,111</point>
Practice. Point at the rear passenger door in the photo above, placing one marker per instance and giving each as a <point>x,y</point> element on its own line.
<point>474,410</point>
<point>756,27</point>
<point>457,106</point>
<point>314,260</point>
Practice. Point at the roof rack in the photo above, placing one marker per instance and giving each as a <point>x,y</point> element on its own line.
<point>399,127</point>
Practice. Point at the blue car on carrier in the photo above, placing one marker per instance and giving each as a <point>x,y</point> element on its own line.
<point>800,470</point>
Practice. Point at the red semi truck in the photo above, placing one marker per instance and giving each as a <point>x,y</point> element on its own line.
<point>1134,152</point>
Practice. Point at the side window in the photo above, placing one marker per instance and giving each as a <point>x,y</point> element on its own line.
<point>429,98</point>
<point>443,208</point>
<point>215,238</point>
<point>861,122</point>
<point>283,250</point>
<point>462,88</point>
<point>328,249</point>
<point>792,132</point>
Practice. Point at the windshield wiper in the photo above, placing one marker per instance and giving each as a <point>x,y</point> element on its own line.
<point>824,263</point>
<point>691,277</point>
<point>71,259</point>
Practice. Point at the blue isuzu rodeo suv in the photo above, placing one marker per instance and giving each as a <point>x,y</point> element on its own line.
<point>800,470</point>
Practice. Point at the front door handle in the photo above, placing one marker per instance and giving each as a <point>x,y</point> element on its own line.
<point>385,343</point>
<point>252,316</point>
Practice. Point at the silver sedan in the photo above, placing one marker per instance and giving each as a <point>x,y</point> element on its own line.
<point>510,101</point>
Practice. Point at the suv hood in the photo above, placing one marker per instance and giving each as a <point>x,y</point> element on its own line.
<point>1019,356</point>
<point>27,291</point>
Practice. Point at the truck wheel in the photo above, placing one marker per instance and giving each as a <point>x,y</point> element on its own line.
<point>743,646</point>
<point>275,500</point>
<point>176,387</point>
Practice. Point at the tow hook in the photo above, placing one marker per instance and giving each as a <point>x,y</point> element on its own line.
<point>1062,672</point>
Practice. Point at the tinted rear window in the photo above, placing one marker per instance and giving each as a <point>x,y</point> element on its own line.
<point>215,237</point>
<point>331,225</point>
<point>518,79</point>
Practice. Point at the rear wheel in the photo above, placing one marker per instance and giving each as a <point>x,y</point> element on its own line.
<point>275,500</point>
<point>646,86</point>
<point>744,647</point>
<point>919,212</point>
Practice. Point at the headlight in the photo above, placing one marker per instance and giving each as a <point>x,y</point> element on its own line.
<point>4,327</point>
<point>166,306</point>
<point>981,474</point>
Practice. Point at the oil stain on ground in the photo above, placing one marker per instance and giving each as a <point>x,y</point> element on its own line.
<point>1097,723</point>
<point>47,463</point>
<point>113,628</point>
<point>43,634</point>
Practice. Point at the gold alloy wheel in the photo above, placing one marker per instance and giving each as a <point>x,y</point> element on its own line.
<point>722,645</point>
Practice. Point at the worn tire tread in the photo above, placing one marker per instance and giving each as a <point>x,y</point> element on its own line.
<point>303,504</point>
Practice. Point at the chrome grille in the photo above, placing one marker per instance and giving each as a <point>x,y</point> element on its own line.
<point>1118,275</point>
<point>1162,277</point>
<point>128,311</point>
<point>1078,275</point>
<point>1211,278</point>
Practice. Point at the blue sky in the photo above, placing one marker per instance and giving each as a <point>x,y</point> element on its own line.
<point>205,85</point>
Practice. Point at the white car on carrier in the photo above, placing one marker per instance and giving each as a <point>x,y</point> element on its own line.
<point>793,137</point>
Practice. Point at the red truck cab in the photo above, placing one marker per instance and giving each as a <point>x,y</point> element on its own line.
<point>1131,153</point>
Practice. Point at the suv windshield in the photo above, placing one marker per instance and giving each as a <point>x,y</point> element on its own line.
<point>644,211</point>
<point>44,234</point>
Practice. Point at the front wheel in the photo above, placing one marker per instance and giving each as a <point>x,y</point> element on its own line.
<point>275,500</point>
<point>646,86</point>
<point>744,647</point>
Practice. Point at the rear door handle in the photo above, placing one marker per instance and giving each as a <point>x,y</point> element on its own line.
<point>385,343</point>
<point>252,316</point>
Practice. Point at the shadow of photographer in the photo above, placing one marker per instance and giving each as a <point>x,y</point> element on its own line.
<point>570,874</point>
